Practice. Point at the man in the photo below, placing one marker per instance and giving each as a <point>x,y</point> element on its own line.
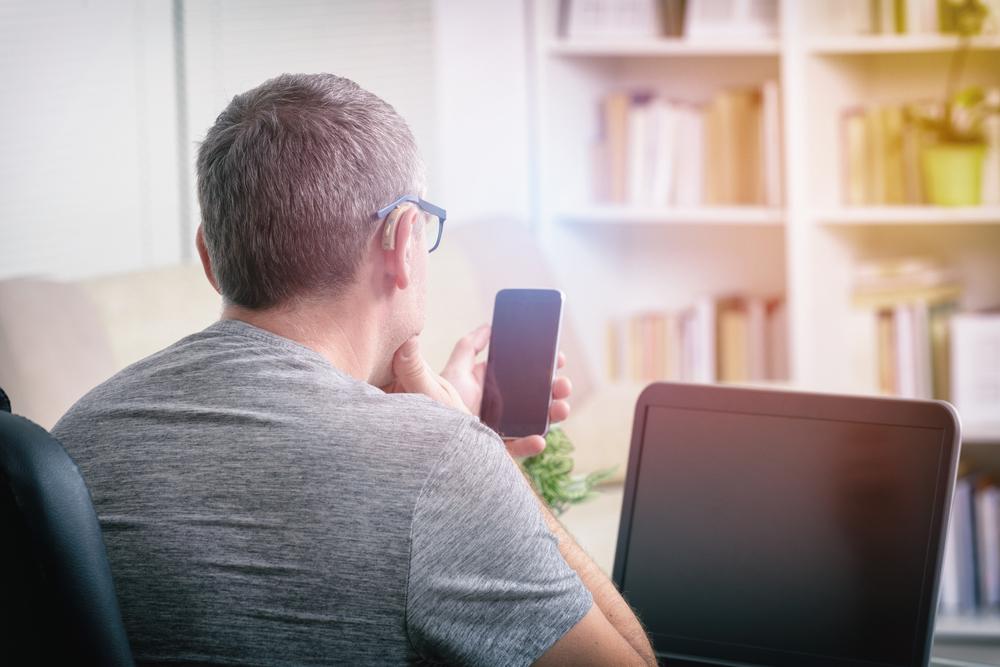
<point>294,485</point>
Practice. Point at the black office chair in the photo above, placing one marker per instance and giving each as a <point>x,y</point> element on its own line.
<point>57,599</point>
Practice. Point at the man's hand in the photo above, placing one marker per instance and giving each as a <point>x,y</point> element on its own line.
<point>414,376</point>
<point>466,375</point>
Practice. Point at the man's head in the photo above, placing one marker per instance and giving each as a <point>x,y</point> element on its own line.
<point>289,178</point>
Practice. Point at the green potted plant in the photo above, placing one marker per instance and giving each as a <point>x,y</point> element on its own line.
<point>551,473</point>
<point>952,163</point>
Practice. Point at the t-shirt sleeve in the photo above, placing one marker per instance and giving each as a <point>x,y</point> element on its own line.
<point>487,583</point>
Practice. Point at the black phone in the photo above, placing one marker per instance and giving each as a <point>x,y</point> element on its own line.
<point>524,344</point>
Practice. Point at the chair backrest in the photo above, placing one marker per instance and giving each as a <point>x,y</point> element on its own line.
<point>58,603</point>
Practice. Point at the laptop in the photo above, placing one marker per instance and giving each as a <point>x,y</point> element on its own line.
<point>785,529</point>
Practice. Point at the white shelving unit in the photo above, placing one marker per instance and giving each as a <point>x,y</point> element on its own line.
<point>616,260</point>
<point>705,215</point>
<point>865,45</point>
<point>616,48</point>
<point>909,215</point>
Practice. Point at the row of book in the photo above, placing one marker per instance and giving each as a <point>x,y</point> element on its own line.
<point>653,151</point>
<point>882,154</point>
<point>590,19</point>
<point>970,572</point>
<point>913,301</point>
<point>898,16</point>
<point>718,339</point>
<point>621,18</point>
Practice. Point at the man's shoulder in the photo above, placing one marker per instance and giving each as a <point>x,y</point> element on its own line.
<point>209,377</point>
<point>413,418</point>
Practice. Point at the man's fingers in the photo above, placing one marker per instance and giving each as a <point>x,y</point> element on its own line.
<point>481,336</point>
<point>479,372</point>
<point>558,411</point>
<point>560,360</point>
<point>561,388</point>
<point>529,446</point>
<point>469,346</point>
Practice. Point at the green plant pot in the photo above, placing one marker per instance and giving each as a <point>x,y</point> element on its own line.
<point>953,174</point>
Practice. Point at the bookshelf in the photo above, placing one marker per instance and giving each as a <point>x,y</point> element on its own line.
<point>860,45</point>
<point>616,259</point>
<point>703,215</point>
<point>909,215</point>
<point>662,47</point>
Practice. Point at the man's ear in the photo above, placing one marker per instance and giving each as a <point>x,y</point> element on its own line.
<point>399,259</point>
<point>206,262</point>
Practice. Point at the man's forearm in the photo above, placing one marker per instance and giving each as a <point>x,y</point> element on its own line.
<point>606,596</point>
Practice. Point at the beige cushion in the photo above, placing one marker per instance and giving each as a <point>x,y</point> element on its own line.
<point>600,428</point>
<point>145,311</point>
<point>53,347</point>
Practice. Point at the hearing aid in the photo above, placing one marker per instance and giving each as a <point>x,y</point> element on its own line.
<point>389,230</point>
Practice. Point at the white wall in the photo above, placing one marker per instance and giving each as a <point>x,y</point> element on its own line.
<point>481,73</point>
<point>88,171</point>
<point>91,157</point>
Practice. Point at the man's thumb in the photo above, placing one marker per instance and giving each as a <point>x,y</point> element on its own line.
<point>410,369</point>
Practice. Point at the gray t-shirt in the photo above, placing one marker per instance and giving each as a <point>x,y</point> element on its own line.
<point>262,507</point>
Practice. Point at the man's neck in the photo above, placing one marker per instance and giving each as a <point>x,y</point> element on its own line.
<point>348,341</point>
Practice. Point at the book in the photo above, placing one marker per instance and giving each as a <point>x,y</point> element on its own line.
<point>855,163</point>
<point>975,366</point>
<point>991,163</point>
<point>905,351</point>
<point>664,155</point>
<point>913,141</point>
<point>966,597</point>
<point>886,358</point>
<point>732,338</point>
<point>987,517</point>
<point>616,137</point>
<point>641,132</point>
<point>689,156</point>
<point>776,343</point>
<point>949,597</point>
<point>891,118</point>
<point>939,320</point>
<point>771,143</point>
<point>875,157</point>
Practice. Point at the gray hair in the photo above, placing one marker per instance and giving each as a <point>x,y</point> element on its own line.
<point>289,178</point>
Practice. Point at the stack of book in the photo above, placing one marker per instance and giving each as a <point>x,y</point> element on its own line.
<point>653,151</point>
<point>728,339</point>
<point>912,301</point>
<point>970,573</point>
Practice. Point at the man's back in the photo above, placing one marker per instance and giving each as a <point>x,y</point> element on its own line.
<point>261,506</point>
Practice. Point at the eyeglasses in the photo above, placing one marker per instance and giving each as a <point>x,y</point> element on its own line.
<point>432,215</point>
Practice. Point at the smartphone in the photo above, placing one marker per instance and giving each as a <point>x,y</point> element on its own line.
<point>521,365</point>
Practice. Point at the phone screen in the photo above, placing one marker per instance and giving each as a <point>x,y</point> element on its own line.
<point>523,345</point>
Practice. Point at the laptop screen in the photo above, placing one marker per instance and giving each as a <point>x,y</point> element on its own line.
<point>806,540</point>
